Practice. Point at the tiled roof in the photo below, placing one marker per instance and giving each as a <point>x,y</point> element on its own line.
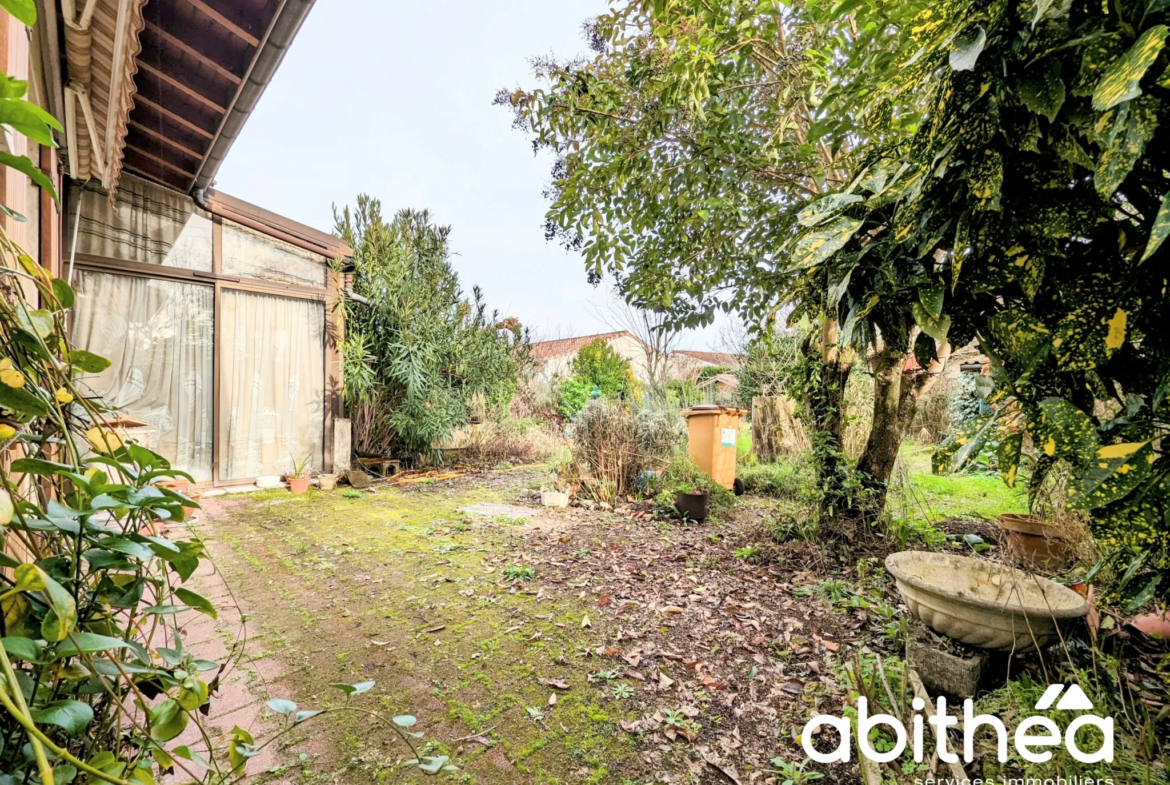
<point>566,347</point>
<point>714,358</point>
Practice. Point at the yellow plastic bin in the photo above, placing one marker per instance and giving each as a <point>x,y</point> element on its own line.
<point>713,433</point>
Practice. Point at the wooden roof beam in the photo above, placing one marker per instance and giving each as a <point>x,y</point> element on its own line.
<point>170,40</point>
<point>183,121</point>
<point>158,136</point>
<point>157,160</point>
<point>224,22</point>
<point>182,88</point>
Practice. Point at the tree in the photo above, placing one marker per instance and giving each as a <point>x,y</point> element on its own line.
<point>657,331</point>
<point>688,150</point>
<point>416,351</point>
<point>598,364</point>
<point>1029,212</point>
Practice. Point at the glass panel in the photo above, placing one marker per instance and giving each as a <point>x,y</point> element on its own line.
<point>273,384</point>
<point>159,336</point>
<point>144,223</point>
<point>250,254</point>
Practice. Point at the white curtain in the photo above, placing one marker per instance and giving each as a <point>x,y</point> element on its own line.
<point>273,384</point>
<point>159,337</point>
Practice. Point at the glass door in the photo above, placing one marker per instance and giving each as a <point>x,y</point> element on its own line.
<point>159,337</point>
<point>272,384</point>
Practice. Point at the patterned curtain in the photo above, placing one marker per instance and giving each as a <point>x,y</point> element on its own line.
<point>159,337</point>
<point>273,384</point>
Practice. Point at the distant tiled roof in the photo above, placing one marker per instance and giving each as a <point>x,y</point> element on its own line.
<point>568,347</point>
<point>713,358</point>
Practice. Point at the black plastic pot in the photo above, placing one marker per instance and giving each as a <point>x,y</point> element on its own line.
<point>691,506</point>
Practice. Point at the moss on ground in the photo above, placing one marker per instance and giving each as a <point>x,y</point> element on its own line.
<point>401,588</point>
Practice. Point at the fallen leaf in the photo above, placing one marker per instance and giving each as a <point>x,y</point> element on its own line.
<point>556,684</point>
<point>585,621</point>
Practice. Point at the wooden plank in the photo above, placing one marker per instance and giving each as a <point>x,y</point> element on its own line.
<point>160,161</point>
<point>171,40</point>
<point>182,88</point>
<point>183,121</point>
<point>152,133</point>
<point>224,22</point>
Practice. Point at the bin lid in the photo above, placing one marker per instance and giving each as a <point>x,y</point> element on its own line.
<point>710,408</point>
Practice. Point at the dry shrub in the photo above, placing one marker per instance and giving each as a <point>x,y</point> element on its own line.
<point>536,399</point>
<point>933,417</point>
<point>613,445</point>
<point>509,441</point>
<point>858,405</point>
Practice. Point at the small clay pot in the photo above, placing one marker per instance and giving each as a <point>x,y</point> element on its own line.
<point>189,511</point>
<point>1154,624</point>
<point>326,482</point>
<point>178,484</point>
<point>1036,542</point>
<point>299,484</point>
<point>692,506</point>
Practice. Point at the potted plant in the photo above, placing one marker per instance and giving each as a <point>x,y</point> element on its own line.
<point>691,502</point>
<point>301,473</point>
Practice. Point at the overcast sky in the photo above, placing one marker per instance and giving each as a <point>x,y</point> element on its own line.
<point>394,98</point>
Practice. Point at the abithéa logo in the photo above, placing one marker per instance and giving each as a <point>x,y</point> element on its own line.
<point>1031,736</point>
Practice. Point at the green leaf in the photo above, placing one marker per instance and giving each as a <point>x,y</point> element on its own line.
<point>1042,88</point>
<point>1133,128</point>
<point>73,716</point>
<point>931,298</point>
<point>963,444</point>
<point>29,119</point>
<point>25,11</point>
<point>88,643</point>
<point>22,164</point>
<point>308,714</point>
<point>815,247</point>
<point>282,706</point>
<point>1008,455</point>
<point>1143,596</point>
<point>63,292</point>
<point>967,47</point>
<point>128,547</point>
<point>1159,230</point>
<point>1064,431</point>
<point>21,402</point>
<point>186,753</point>
<point>1120,82</point>
<point>405,721</point>
<point>88,361</point>
<point>23,648</point>
<point>935,328</point>
<point>197,601</point>
<point>1115,472</point>
<point>824,208</point>
<point>167,720</point>
<point>63,611</point>
<point>353,689</point>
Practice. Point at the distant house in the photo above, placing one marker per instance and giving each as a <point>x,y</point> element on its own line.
<point>554,359</point>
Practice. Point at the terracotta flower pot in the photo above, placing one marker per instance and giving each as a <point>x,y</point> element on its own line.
<point>326,482</point>
<point>189,511</point>
<point>1036,542</point>
<point>179,484</point>
<point>299,484</point>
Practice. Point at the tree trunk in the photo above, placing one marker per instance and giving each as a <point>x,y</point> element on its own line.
<point>896,394</point>
<point>776,430</point>
<point>824,397</point>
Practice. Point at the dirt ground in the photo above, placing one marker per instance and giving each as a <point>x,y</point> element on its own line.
<point>535,646</point>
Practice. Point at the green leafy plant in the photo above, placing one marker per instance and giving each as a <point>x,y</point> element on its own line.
<point>519,574</point>
<point>622,691</point>
<point>749,553</point>
<point>302,466</point>
<point>795,773</point>
<point>352,493</point>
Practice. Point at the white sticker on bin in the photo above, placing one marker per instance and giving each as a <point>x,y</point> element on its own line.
<point>728,437</point>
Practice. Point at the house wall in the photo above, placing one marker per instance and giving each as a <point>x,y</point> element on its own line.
<point>223,337</point>
<point>627,347</point>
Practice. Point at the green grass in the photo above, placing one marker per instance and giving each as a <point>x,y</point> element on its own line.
<point>933,498</point>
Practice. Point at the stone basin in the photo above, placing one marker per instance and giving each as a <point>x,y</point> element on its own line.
<point>986,605</point>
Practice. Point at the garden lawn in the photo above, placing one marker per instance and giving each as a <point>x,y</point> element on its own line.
<point>934,499</point>
<point>578,646</point>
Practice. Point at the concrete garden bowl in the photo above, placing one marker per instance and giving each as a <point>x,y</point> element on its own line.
<point>985,605</point>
